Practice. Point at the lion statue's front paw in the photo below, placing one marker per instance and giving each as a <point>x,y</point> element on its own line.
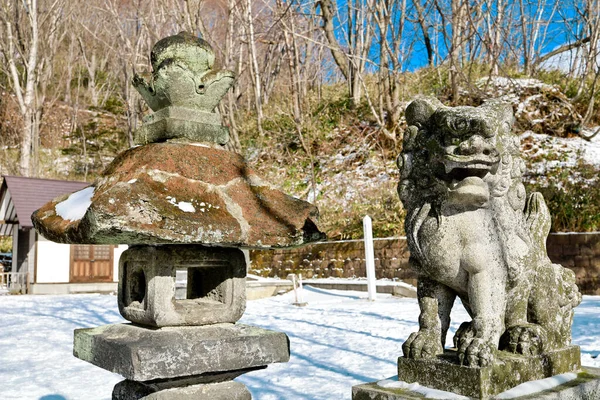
<point>473,351</point>
<point>423,344</point>
<point>476,353</point>
<point>526,339</point>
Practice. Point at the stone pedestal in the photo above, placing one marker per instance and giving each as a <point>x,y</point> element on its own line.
<point>143,354</point>
<point>509,370</point>
<point>585,387</point>
<point>443,373</point>
<point>130,390</point>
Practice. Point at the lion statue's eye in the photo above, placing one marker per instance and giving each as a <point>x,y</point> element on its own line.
<point>457,125</point>
<point>461,125</point>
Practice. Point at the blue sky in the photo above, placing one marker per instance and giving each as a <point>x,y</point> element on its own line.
<point>560,29</point>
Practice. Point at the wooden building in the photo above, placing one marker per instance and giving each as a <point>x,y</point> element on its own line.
<point>44,267</point>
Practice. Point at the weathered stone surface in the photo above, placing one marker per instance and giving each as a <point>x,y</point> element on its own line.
<point>508,370</point>
<point>585,387</point>
<point>157,385</point>
<point>143,354</point>
<point>215,291</point>
<point>473,233</point>
<point>184,123</point>
<point>184,74</point>
<point>183,194</point>
<point>130,390</point>
<point>372,391</point>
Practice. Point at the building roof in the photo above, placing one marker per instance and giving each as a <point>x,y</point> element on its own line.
<point>20,197</point>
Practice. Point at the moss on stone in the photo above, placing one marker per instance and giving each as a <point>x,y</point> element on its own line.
<point>372,391</point>
<point>510,370</point>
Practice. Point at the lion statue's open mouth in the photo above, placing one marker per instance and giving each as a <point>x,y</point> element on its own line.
<point>467,176</point>
<point>473,233</point>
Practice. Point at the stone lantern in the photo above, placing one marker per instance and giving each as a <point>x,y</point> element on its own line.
<point>186,206</point>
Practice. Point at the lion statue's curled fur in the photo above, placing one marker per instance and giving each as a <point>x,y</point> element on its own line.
<point>474,233</point>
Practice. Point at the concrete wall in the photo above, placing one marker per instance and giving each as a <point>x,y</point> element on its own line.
<point>53,261</point>
<point>577,251</point>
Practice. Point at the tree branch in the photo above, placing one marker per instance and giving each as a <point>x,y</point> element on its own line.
<point>327,15</point>
<point>561,49</point>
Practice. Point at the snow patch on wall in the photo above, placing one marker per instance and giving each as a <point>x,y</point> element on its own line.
<point>76,205</point>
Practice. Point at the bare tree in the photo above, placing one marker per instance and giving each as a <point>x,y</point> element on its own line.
<point>94,56</point>
<point>248,30</point>
<point>130,50</point>
<point>352,60</point>
<point>533,22</point>
<point>458,36</point>
<point>390,18</point>
<point>14,50</point>
<point>591,18</point>
<point>29,64</point>
<point>231,44</point>
<point>421,19</point>
<point>328,12</point>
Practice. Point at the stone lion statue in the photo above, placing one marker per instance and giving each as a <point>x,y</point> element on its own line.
<point>474,233</point>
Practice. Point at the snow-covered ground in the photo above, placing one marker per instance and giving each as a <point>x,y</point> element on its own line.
<point>546,156</point>
<point>337,341</point>
<point>567,151</point>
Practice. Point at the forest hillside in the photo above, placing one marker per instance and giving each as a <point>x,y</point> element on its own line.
<point>318,104</point>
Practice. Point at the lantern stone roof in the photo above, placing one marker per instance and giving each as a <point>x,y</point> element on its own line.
<point>180,193</point>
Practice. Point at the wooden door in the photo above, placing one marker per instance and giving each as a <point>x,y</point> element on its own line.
<point>91,263</point>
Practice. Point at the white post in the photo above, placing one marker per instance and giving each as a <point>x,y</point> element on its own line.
<point>295,289</point>
<point>300,296</point>
<point>369,257</point>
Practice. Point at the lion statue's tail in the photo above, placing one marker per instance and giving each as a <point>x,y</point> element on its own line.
<point>554,312</point>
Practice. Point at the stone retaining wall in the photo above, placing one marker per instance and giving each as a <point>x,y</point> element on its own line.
<point>342,259</point>
<point>581,253</point>
<point>346,259</point>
